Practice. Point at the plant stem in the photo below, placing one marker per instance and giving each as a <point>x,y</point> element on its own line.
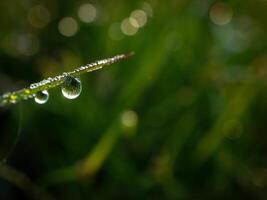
<point>23,182</point>
<point>51,82</point>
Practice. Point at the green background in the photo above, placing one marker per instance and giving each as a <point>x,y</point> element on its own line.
<point>195,91</point>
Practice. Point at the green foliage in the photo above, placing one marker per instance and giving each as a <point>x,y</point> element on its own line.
<point>185,118</point>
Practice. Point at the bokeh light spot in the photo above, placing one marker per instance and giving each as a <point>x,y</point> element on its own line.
<point>127,28</point>
<point>221,13</point>
<point>28,45</point>
<point>68,26</point>
<point>87,13</point>
<point>148,9</point>
<point>38,16</point>
<point>21,44</point>
<point>138,18</point>
<point>129,118</point>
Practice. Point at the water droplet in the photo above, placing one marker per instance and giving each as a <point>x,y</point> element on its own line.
<point>41,97</point>
<point>71,87</point>
<point>13,99</point>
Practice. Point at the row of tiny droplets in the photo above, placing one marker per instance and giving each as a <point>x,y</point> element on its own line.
<point>26,93</point>
<point>77,71</point>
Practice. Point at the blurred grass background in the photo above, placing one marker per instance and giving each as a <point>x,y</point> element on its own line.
<point>185,118</point>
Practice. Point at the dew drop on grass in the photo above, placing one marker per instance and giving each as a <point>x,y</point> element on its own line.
<point>41,97</point>
<point>71,87</point>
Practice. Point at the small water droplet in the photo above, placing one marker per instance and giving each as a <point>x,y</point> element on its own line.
<point>71,87</point>
<point>41,97</point>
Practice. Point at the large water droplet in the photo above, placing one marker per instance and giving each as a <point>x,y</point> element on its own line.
<point>41,97</point>
<point>71,87</point>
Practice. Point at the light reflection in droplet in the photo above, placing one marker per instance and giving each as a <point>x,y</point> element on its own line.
<point>41,97</point>
<point>71,87</point>
<point>221,13</point>
<point>68,26</point>
<point>87,13</point>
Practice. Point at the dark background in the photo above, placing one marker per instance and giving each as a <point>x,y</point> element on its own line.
<point>184,118</point>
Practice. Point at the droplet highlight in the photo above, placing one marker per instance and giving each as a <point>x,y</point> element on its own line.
<point>71,87</point>
<point>41,97</point>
